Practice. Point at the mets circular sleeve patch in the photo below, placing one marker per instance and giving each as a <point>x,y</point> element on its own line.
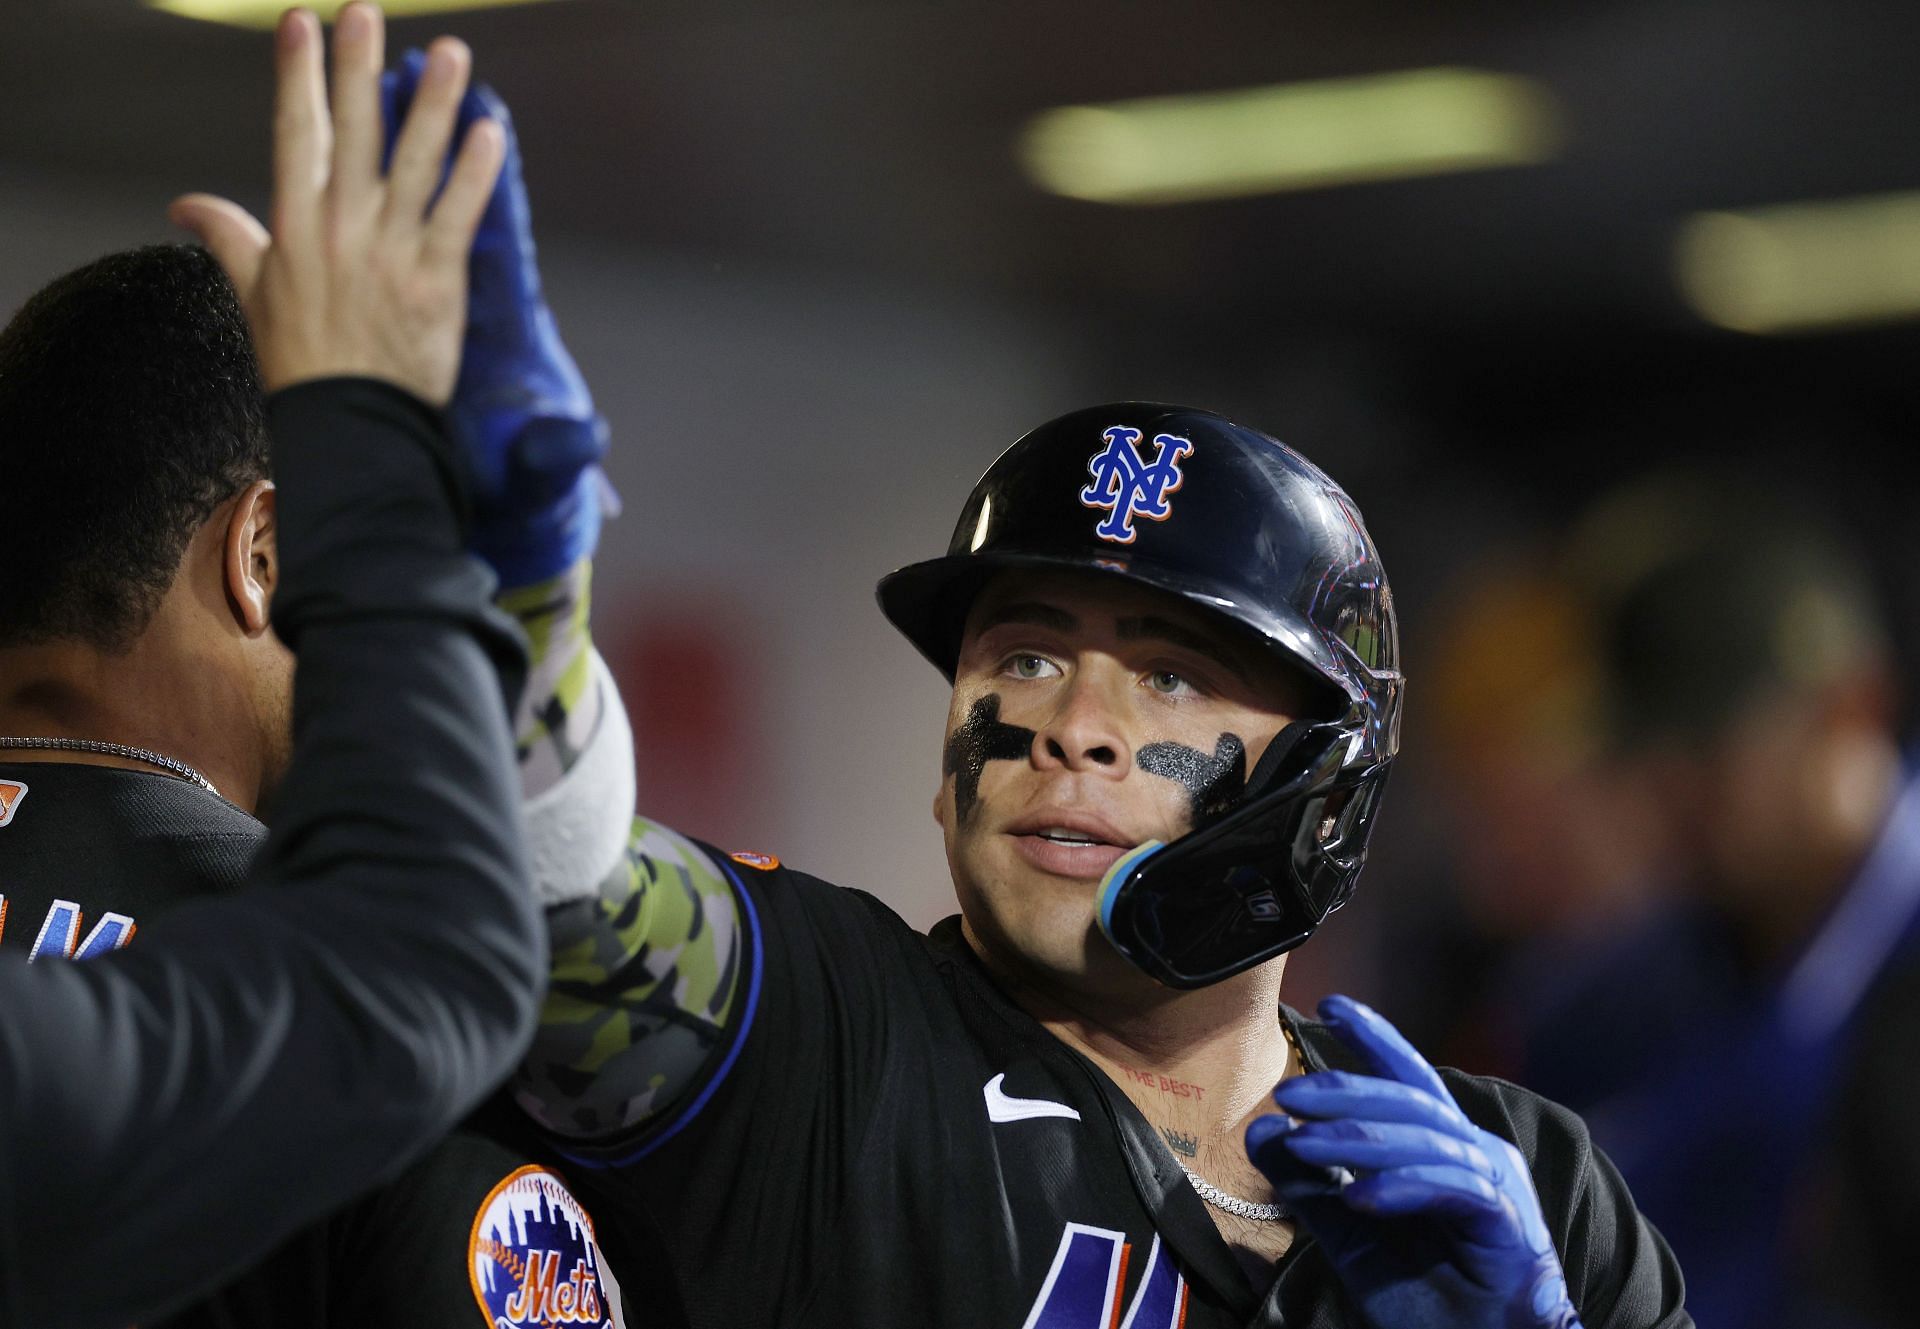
<point>533,1259</point>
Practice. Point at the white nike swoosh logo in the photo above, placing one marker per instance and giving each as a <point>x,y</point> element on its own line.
<point>1002,1106</point>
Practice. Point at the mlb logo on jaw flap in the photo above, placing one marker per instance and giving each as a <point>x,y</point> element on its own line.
<point>1127,485</point>
<point>11,792</point>
<point>533,1261</point>
<point>765,862</point>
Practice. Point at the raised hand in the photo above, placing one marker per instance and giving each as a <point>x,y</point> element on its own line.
<point>1429,1221</point>
<point>363,272</point>
<point>521,408</point>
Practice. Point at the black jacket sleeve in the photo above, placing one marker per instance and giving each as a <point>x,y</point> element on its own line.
<point>171,1112</point>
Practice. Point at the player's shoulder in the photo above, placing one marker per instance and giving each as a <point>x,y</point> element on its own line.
<point>1619,1269</point>
<point>129,805</point>
<point>817,935</point>
<point>799,928</point>
<point>656,852</point>
<point>88,854</point>
<point>1547,1134</point>
<point>1553,1139</point>
<point>783,889</point>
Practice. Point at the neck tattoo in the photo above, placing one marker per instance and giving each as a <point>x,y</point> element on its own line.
<point>981,738</point>
<point>1184,1145</point>
<point>1214,784</point>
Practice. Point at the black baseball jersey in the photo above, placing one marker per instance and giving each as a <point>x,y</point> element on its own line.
<point>94,851</point>
<point>884,1138</point>
<point>105,852</point>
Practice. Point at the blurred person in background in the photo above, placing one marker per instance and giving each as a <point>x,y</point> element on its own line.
<point>1720,1044</point>
<point>1539,849</point>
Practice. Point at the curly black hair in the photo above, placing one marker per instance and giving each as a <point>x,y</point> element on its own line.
<point>130,408</point>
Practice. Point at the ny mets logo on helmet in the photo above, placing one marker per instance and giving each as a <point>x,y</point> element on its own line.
<point>1128,486</point>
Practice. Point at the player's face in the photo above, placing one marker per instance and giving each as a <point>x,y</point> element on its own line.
<point>1086,718</point>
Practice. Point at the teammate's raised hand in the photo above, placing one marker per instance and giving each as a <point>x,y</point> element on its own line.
<point>1431,1222</point>
<point>521,409</point>
<point>361,273</point>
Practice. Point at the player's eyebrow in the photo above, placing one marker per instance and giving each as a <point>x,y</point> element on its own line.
<point>1175,634</point>
<point>1029,611</point>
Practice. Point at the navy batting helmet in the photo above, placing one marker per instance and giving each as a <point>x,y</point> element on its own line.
<point>1242,527</point>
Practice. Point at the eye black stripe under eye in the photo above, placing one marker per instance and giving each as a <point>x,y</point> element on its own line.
<point>980,739</point>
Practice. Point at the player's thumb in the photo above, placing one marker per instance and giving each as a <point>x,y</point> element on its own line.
<point>230,233</point>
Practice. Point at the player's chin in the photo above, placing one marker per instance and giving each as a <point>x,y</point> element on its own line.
<point>1041,913</point>
<point>1057,919</point>
<point>1048,928</point>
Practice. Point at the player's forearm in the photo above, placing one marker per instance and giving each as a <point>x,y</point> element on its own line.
<point>560,708</point>
<point>259,1059</point>
<point>575,749</point>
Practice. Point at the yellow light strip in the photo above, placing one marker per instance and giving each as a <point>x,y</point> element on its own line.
<point>1800,267</point>
<point>1293,136</point>
<point>266,13</point>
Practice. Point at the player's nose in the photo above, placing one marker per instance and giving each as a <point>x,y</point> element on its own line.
<point>1084,732</point>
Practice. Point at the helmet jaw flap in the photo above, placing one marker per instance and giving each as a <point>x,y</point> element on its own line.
<point>1238,891</point>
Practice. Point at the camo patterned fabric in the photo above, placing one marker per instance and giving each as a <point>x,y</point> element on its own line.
<point>644,979</point>
<point>559,709</point>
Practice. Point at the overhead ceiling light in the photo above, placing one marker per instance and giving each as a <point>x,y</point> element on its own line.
<point>1799,267</point>
<point>266,13</point>
<point>1292,136</point>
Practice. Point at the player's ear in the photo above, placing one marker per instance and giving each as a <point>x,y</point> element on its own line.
<point>251,556</point>
<point>940,805</point>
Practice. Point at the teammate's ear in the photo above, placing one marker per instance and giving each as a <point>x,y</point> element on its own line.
<point>252,556</point>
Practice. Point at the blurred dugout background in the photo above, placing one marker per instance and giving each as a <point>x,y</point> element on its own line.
<point>1486,263</point>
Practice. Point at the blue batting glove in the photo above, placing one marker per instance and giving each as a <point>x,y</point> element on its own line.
<point>520,410</point>
<point>1429,1221</point>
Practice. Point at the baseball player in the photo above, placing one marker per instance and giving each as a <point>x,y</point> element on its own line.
<point>1176,698</point>
<point>144,701</point>
<point>173,1108</point>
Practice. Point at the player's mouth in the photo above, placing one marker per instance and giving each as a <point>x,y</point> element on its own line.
<point>1069,844</point>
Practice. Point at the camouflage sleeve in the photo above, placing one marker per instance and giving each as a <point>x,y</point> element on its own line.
<point>646,955</point>
<point>574,746</point>
<point>645,980</point>
<point>561,707</point>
